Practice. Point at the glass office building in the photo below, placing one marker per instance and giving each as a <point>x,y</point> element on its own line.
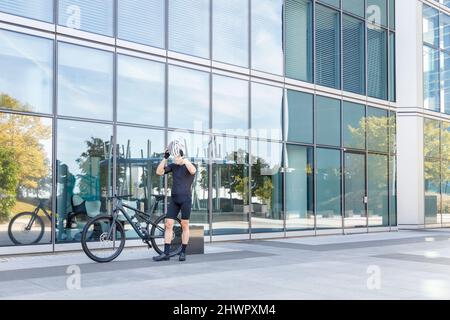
<point>287,108</point>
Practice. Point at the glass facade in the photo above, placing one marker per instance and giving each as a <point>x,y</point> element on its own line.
<point>272,156</point>
<point>436,172</point>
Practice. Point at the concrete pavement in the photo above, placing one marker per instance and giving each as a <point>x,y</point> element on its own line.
<point>399,265</point>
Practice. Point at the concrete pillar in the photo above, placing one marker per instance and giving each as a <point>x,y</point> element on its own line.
<point>410,119</point>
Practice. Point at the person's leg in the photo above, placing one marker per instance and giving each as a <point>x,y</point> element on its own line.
<point>168,233</point>
<point>172,212</point>
<point>185,215</point>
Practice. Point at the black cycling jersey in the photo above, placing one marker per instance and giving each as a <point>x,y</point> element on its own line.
<point>182,179</point>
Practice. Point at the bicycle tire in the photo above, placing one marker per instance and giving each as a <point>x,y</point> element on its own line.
<point>37,220</point>
<point>176,241</point>
<point>85,241</point>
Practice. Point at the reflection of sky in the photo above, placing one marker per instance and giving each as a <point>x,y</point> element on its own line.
<point>188,98</point>
<point>142,21</point>
<point>267,31</point>
<point>95,16</point>
<point>85,80</point>
<point>269,152</point>
<point>26,65</point>
<point>230,42</point>
<point>72,137</point>
<point>189,27</point>
<point>267,110</point>
<point>36,9</point>
<point>139,139</point>
<point>224,147</point>
<point>230,103</point>
<point>140,97</point>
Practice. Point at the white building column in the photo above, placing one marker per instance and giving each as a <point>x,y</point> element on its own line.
<point>409,69</point>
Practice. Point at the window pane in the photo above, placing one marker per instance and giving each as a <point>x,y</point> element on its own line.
<point>230,105</point>
<point>431,138</point>
<point>140,91</point>
<point>392,65</point>
<point>25,177</point>
<point>92,16</point>
<point>377,12</point>
<point>139,153</point>
<point>431,83</point>
<point>299,188</point>
<point>267,187</point>
<point>328,121</point>
<point>197,153</point>
<point>230,27</point>
<point>377,129</point>
<point>445,211</point>
<point>355,190</point>
<point>230,186</point>
<point>267,36</point>
<point>188,99</point>
<point>84,175</point>
<point>354,125</point>
<point>444,31</point>
<point>142,21</point>
<point>392,132</point>
<point>328,189</point>
<point>26,80</point>
<point>85,82</point>
<point>430,26</point>
<point>327,47</point>
<point>335,3</point>
<point>377,63</point>
<point>35,9</point>
<point>432,173</point>
<point>378,205</point>
<point>445,81</point>
<point>299,117</point>
<point>392,14</point>
<point>354,6</point>
<point>354,59</point>
<point>299,54</point>
<point>393,191</point>
<point>445,140</point>
<point>267,104</point>
<point>189,27</point>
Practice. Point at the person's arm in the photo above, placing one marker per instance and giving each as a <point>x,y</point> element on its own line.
<point>191,168</point>
<point>161,170</point>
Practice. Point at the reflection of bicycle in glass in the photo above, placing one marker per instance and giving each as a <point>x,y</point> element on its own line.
<point>28,228</point>
<point>103,238</point>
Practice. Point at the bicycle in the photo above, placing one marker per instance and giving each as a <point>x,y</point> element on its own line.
<point>103,238</point>
<point>27,228</point>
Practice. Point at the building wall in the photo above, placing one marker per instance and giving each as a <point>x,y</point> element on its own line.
<point>290,120</point>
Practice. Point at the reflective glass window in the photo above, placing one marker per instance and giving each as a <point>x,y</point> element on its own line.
<point>26,80</point>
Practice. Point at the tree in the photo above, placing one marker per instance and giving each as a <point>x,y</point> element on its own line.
<point>9,178</point>
<point>23,135</point>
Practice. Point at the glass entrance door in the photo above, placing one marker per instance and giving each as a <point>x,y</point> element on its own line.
<point>355,213</point>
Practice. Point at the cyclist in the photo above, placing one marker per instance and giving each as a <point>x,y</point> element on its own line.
<point>183,172</point>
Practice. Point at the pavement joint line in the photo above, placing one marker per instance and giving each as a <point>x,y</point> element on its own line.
<point>54,271</point>
<point>415,258</point>
<point>343,245</point>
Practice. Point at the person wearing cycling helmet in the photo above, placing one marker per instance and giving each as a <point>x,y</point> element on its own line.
<point>183,172</point>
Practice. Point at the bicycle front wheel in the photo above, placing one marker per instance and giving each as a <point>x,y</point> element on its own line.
<point>102,240</point>
<point>157,234</point>
<point>26,228</point>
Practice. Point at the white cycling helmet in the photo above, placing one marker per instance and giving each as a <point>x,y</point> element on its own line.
<point>176,148</point>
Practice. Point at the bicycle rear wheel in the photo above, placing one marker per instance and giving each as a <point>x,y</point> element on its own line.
<point>157,236</point>
<point>103,241</point>
<point>22,230</point>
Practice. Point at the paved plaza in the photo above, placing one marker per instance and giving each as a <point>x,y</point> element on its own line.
<point>397,265</point>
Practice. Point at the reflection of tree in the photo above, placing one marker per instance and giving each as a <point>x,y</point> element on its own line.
<point>9,178</point>
<point>23,135</point>
<point>93,177</point>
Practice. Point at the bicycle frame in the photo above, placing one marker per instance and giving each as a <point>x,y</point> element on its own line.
<point>143,215</point>
<point>35,213</point>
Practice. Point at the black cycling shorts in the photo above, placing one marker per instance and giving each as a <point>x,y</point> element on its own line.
<point>179,203</point>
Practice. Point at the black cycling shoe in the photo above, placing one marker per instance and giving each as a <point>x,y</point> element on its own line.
<point>182,256</point>
<point>161,257</point>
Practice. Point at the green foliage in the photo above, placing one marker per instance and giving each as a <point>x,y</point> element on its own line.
<point>9,178</point>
